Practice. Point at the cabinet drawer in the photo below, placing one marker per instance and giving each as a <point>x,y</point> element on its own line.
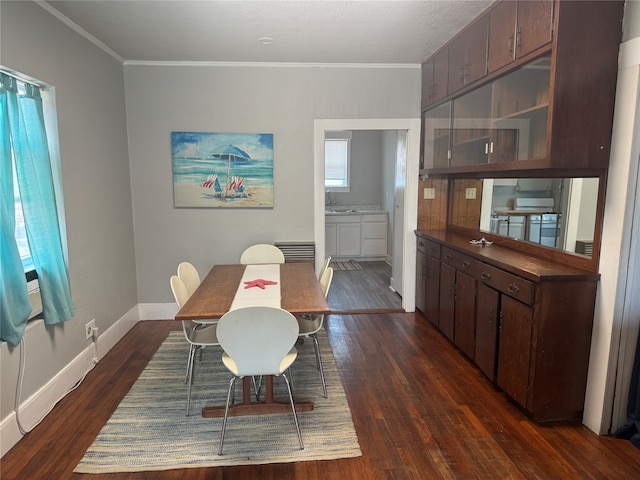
<point>507,283</point>
<point>457,260</point>
<point>374,218</point>
<point>427,246</point>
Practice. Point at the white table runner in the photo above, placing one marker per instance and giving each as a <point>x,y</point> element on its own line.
<point>256,296</point>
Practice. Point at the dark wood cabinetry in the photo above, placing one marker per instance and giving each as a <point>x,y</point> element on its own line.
<point>516,29</point>
<point>518,77</point>
<point>428,279</point>
<point>487,316</point>
<point>457,287</point>
<point>435,76</point>
<point>525,322</point>
<point>468,55</point>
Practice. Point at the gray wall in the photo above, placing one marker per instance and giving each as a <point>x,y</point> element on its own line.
<point>89,89</point>
<point>283,100</point>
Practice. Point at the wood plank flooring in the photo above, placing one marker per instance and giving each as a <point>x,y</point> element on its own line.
<point>364,291</point>
<point>420,409</point>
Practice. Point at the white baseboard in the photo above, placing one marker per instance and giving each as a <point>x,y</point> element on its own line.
<point>157,311</point>
<point>37,406</point>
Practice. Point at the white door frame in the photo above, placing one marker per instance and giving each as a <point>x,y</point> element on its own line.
<point>412,126</point>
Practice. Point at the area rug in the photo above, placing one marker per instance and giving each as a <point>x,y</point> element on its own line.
<point>149,430</point>
<point>345,266</point>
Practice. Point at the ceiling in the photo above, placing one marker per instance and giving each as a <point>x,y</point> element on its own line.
<point>308,31</point>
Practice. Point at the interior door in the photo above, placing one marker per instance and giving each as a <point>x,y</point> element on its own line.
<point>398,214</point>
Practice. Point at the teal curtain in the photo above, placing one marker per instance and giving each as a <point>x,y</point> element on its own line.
<point>14,298</point>
<point>35,180</point>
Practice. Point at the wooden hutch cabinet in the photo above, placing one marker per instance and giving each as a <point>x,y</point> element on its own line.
<point>526,91</point>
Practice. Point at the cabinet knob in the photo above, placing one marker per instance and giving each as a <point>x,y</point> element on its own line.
<point>447,256</point>
<point>513,288</point>
<point>466,264</point>
<point>485,275</point>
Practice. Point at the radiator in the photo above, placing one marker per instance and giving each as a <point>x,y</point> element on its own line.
<point>584,247</point>
<point>298,251</point>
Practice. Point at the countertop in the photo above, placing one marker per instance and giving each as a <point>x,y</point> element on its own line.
<point>332,210</point>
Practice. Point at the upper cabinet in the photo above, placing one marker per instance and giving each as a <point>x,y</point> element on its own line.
<point>531,86</point>
<point>468,55</point>
<point>435,76</point>
<point>516,29</point>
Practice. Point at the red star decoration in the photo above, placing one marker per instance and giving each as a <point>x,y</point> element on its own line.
<point>259,282</point>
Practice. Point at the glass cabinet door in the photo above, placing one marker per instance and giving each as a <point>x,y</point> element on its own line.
<point>471,125</point>
<point>436,135</point>
<point>519,110</point>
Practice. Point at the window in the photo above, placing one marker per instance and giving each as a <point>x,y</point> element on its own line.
<point>32,205</point>
<point>20,232</point>
<point>337,159</point>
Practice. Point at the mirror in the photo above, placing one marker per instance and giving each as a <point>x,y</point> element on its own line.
<point>554,212</point>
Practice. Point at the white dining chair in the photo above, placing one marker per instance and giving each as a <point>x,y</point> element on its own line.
<point>324,266</point>
<point>310,325</point>
<point>262,253</point>
<point>197,337</point>
<point>191,279</point>
<point>258,341</point>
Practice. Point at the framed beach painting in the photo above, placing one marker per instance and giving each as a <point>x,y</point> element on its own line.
<point>222,170</point>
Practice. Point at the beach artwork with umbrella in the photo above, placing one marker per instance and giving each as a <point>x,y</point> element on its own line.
<point>218,170</point>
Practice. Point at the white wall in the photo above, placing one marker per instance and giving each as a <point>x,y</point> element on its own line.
<point>617,315</point>
<point>89,90</point>
<point>281,99</point>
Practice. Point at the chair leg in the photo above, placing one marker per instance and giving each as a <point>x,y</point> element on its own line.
<point>293,409</point>
<point>226,412</point>
<point>319,361</point>
<point>190,365</point>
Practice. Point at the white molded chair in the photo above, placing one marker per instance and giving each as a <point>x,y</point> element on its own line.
<point>262,253</point>
<point>189,276</point>
<point>324,266</point>
<point>191,279</point>
<point>197,337</point>
<point>258,341</point>
<point>310,325</point>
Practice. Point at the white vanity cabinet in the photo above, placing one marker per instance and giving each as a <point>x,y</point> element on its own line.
<point>356,235</point>
<point>342,235</point>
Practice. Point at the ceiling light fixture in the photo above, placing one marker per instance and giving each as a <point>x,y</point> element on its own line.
<point>265,40</point>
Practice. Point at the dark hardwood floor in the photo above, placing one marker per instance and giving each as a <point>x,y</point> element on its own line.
<point>420,409</point>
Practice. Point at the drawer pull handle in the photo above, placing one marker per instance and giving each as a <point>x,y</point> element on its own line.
<point>485,275</point>
<point>448,256</point>
<point>466,264</point>
<point>421,244</point>
<point>513,288</point>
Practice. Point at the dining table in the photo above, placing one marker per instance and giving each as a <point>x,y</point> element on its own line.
<point>296,290</point>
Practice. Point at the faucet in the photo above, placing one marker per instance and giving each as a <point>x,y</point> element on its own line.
<point>328,200</point>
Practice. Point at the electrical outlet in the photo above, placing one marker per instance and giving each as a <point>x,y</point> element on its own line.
<point>429,193</point>
<point>470,193</point>
<point>88,329</point>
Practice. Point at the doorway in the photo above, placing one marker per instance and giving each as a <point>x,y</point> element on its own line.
<point>405,185</point>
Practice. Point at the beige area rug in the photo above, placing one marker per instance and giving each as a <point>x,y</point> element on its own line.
<point>149,430</point>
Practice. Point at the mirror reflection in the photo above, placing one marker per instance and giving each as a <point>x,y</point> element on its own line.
<point>554,212</point>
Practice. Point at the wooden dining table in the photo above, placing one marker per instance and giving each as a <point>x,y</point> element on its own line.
<point>300,293</point>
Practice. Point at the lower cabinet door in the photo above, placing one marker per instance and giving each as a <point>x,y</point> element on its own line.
<point>487,308</point>
<point>421,276</point>
<point>465,313</point>
<point>447,300</point>
<point>514,352</point>
<point>432,286</point>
